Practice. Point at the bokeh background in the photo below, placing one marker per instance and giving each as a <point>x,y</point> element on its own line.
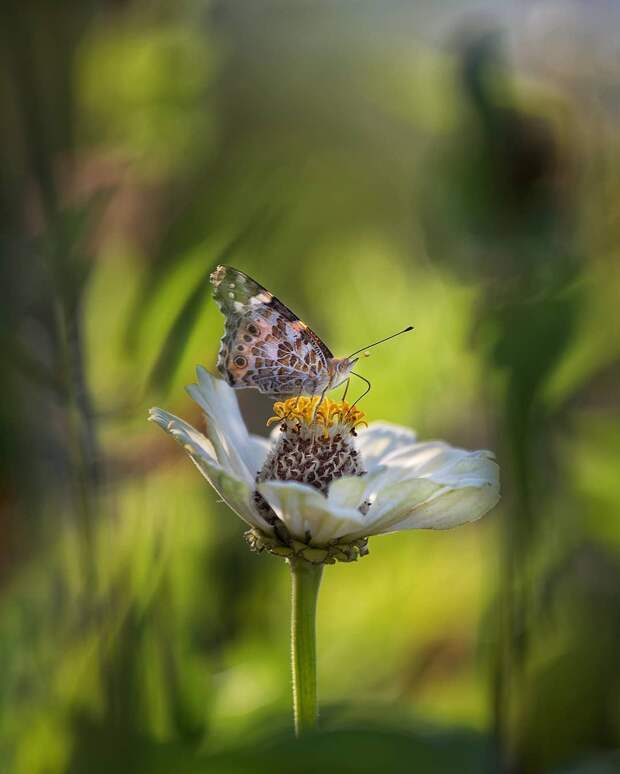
<point>451,165</point>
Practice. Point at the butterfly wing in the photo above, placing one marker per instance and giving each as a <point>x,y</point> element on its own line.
<point>265,345</point>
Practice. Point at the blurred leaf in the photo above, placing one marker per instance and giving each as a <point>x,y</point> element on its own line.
<point>260,226</point>
<point>604,764</point>
<point>357,751</point>
<point>361,751</point>
<point>70,253</point>
<point>18,357</point>
<point>172,351</point>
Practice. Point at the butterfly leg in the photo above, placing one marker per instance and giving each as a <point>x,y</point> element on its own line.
<point>318,405</point>
<point>346,390</point>
<point>366,391</point>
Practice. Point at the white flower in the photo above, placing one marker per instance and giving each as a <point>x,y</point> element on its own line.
<point>348,483</point>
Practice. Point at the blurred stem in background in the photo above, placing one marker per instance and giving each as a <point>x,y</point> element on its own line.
<point>46,260</point>
<point>526,324</point>
<point>306,580</point>
<point>81,435</point>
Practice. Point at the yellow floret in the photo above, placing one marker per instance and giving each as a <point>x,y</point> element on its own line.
<point>328,414</point>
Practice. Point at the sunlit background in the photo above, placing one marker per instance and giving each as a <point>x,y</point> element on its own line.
<point>455,166</point>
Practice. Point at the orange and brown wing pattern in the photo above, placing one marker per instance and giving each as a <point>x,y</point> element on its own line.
<point>265,345</point>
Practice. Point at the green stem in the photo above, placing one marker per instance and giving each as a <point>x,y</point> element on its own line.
<point>306,579</point>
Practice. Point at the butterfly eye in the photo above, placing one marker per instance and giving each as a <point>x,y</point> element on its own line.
<point>252,329</point>
<point>240,361</point>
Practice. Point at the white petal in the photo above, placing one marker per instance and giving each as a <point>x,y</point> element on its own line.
<point>394,502</point>
<point>347,492</point>
<point>234,492</point>
<point>274,435</point>
<point>193,441</point>
<point>442,487</point>
<point>437,460</point>
<point>352,491</point>
<point>259,448</point>
<point>303,509</point>
<point>451,508</point>
<point>235,451</point>
<point>379,439</point>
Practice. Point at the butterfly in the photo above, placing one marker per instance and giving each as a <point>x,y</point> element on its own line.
<point>266,346</point>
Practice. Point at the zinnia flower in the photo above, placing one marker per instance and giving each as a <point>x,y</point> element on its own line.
<point>326,481</point>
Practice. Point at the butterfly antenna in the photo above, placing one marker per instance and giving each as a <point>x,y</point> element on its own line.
<point>387,338</point>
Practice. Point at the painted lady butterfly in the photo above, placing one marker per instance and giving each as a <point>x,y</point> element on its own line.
<point>266,346</point>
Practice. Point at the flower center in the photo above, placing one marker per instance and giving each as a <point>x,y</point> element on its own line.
<point>316,444</point>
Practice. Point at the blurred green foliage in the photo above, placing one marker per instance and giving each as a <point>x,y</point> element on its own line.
<point>375,165</point>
